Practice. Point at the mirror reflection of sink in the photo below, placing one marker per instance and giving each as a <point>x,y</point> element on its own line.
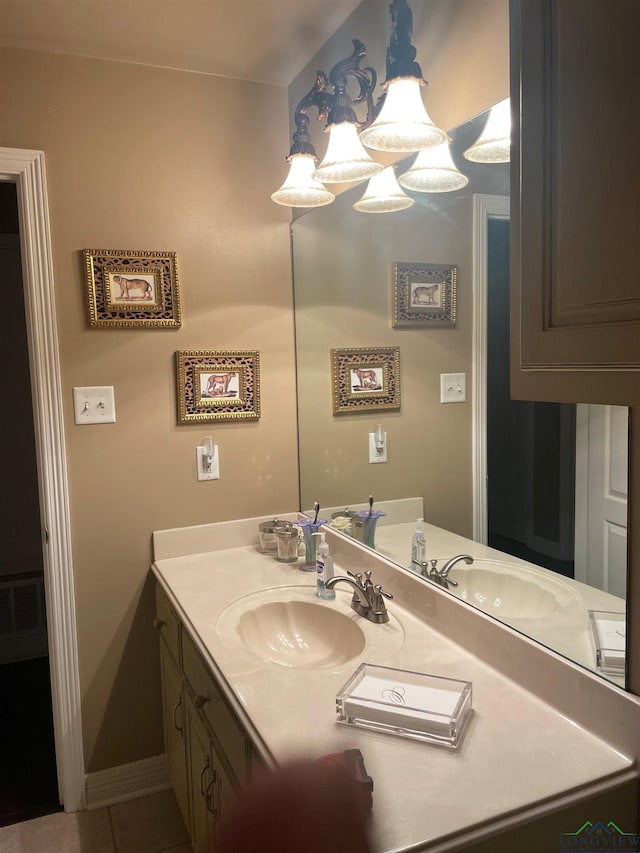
<point>510,591</point>
<point>300,634</point>
<point>290,627</point>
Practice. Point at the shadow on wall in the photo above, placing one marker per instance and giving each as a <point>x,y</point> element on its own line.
<point>119,739</point>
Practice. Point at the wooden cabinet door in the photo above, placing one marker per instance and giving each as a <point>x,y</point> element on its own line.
<point>173,720</point>
<point>210,786</point>
<point>201,780</point>
<point>575,250</point>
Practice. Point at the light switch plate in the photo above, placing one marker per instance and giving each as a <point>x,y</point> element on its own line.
<point>94,405</point>
<point>453,387</point>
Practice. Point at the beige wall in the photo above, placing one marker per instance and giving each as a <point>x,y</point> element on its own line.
<point>147,158</point>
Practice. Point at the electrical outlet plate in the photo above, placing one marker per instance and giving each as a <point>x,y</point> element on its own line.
<point>374,456</point>
<point>212,473</point>
<point>453,387</point>
<point>94,405</point>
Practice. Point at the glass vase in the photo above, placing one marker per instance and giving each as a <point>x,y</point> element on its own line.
<point>364,527</point>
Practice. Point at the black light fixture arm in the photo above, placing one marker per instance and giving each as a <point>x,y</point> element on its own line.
<point>330,97</point>
<point>401,54</point>
<point>320,98</point>
<point>342,103</point>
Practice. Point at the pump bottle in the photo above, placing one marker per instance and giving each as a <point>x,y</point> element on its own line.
<point>418,547</point>
<point>324,568</point>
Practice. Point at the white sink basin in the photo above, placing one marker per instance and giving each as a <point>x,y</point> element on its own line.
<point>509,591</point>
<point>290,626</point>
<point>301,634</point>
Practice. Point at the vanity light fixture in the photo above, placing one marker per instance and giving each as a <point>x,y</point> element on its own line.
<point>346,159</point>
<point>403,124</point>
<point>383,194</point>
<point>398,122</point>
<point>494,143</point>
<point>300,188</point>
<point>433,171</point>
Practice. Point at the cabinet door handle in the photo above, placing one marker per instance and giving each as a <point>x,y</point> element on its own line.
<point>209,795</point>
<point>199,701</point>
<point>175,721</point>
<point>205,767</point>
<point>158,624</point>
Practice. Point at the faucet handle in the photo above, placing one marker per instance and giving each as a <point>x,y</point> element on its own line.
<point>379,591</point>
<point>357,576</point>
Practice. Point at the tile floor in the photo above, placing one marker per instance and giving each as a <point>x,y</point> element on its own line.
<point>150,824</point>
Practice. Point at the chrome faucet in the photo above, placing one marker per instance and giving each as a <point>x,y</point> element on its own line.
<point>441,576</point>
<point>368,598</point>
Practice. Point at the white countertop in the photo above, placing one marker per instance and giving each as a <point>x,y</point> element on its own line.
<point>517,752</point>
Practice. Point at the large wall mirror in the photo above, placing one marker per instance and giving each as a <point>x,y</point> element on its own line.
<point>542,485</point>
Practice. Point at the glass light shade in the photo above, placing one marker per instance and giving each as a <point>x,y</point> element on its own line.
<point>300,189</point>
<point>433,171</point>
<point>494,143</point>
<point>383,194</point>
<point>403,124</point>
<point>345,160</point>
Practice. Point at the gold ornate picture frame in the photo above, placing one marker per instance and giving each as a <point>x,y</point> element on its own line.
<point>130,288</point>
<point>424,295</point>
<point>217,385</point>
<point>365,379</point>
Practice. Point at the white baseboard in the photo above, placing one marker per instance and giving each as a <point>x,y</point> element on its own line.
<point>126,782</point>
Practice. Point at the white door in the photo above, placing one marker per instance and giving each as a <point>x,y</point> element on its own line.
<point>601,497</point>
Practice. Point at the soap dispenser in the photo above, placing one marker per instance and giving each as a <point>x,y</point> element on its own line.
<point>324,568</point>
<point>418,548</point>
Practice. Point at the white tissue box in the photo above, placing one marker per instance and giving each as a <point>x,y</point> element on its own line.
<point>409,704</point>
<point>608,630</point>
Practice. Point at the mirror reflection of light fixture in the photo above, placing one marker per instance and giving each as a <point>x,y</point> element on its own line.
<point>383,194</point>
<point>403,124</point>
<point>494,143</point>
<point>433,171</point>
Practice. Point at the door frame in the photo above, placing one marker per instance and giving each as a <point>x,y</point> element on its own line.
<point>485,207</point>
<point>26,168</point>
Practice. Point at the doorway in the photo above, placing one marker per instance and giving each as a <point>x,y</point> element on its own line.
<point>26,170</point>
<point>28,775</point>
<point>531,446</point>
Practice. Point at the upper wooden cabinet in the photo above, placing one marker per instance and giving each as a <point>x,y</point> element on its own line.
<point>575,264</point>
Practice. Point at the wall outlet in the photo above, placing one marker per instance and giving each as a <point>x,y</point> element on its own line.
<point>453,387</point>
<point>204,472</point>
<point>374,456</point>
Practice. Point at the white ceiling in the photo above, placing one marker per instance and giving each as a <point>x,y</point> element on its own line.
<point>268,41</point>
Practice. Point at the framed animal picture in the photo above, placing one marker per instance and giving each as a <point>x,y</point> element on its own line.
<point>424,295</point>
<point>365,379</point>
<point>217,385</point>
<point>129,288</point>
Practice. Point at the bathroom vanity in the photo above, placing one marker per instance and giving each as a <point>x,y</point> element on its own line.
<point>544,735</point>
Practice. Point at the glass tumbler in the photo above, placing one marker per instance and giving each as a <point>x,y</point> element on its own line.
<point>287,540</point>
